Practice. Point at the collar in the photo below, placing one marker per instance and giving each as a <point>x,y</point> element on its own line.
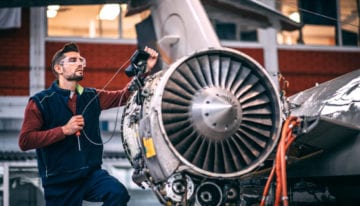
<point>55,85</point>
<point>79,89</point>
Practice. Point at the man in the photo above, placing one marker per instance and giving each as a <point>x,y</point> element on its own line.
<point>62,124</point>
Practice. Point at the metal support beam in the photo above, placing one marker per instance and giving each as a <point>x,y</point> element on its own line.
<point>6,185</point>
<point>268,41</point>
<point>37,49</point>
<point>182,27</point>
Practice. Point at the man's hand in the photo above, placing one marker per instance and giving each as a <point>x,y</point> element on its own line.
<point>76,123</point>
<point>152,58</point>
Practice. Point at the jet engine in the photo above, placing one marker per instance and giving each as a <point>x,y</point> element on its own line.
<point>193,130</point>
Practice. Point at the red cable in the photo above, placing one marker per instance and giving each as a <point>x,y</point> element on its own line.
<point>279,167</point>
<point>267,186</point>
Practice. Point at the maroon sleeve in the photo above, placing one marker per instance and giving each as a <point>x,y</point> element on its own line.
<point>110,99</point>
<point>31,136</point>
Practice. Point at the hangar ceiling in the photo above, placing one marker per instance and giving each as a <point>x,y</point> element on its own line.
<point>34,3</point>
<point>250,8</point>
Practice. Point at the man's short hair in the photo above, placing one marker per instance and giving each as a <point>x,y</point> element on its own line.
<point>59,55</point>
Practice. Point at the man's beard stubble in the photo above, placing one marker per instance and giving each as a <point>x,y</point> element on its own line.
<point>75,77</point>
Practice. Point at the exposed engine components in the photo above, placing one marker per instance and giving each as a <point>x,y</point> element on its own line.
<point>212,115</point>
<point>179,186</point>
<point>209,193</point>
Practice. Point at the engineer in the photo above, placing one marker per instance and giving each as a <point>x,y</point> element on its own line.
<point>62,123</point>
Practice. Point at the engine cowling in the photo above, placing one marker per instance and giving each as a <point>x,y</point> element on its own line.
<point>211,115</point>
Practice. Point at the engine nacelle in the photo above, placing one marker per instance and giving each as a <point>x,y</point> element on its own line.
<point>208,119</point>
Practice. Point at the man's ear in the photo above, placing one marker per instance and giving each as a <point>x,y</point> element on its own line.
<point>58,68</point>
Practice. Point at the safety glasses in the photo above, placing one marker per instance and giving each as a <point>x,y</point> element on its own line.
<point>73,61</point>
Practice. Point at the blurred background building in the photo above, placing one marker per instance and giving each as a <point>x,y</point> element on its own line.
<point>306,41</point>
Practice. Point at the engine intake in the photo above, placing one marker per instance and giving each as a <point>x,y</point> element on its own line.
<point>212,114</point>
<point>220,112</point>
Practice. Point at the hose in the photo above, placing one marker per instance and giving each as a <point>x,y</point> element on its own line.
<point>279,166</point>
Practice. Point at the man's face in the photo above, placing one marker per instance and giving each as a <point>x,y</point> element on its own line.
<point>72,66</point>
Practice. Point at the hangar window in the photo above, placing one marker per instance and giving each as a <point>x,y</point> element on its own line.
<point>92,21</point>
<point>235,32</point>
<point>325,22</point>
<point>226,31</point>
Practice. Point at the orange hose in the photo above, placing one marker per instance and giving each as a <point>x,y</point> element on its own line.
<point>280,158</point>
<point>278,180</point>
<point>283,181</point>
<point>283,173</point>
<point>267,186</point>
<point>288,134</point>
<point>279,167</point>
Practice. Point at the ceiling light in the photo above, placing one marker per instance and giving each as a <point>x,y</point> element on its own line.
<point>51,13</point>
<point>109,11</point>
<point>295,16</point>
<point>53,7</point>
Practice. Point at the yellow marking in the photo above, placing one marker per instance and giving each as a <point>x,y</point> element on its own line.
<point>149,147</point>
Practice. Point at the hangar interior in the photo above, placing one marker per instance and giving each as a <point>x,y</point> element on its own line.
<point>267,31</point>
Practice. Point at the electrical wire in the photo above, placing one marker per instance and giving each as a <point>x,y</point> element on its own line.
<point>118,108</point>
<point>107,84</point>
<point>279,166</point>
